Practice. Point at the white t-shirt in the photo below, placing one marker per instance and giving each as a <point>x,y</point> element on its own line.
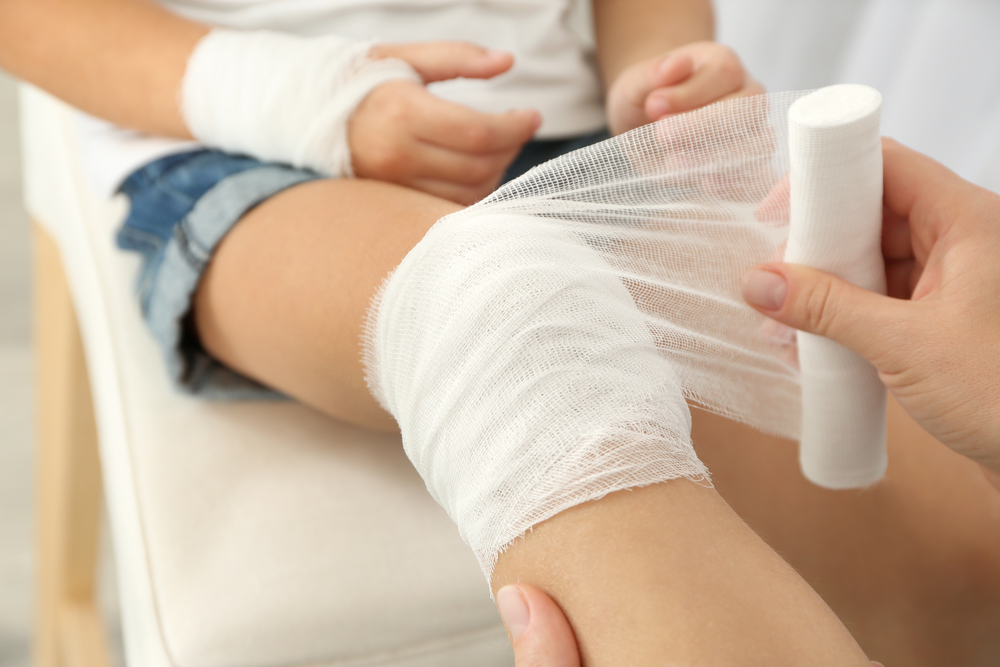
<point>553,71</point>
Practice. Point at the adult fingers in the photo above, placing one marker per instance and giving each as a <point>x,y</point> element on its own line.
<point>541,635</point>
<point>923,192</point>
<point>817,302</point>
<point>460,128</point>
<point>897,242</point>
<point>901,277</point>
<point>437,61</point>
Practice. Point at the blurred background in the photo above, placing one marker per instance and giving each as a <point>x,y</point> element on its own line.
<point>16,411</point>
<point>15,396</point>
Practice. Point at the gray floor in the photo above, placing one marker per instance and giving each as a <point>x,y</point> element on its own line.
<point>16,536</point>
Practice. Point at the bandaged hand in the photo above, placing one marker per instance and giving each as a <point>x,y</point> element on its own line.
<point>403,134</point>
<point>686,78</point>
<point>333,105</point>
<point>935,339</point>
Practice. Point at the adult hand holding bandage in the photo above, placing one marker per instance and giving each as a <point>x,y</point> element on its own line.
<point>345,107</point>
<point>935,339</point>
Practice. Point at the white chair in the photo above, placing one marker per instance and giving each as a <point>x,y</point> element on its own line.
<point>246,534</point>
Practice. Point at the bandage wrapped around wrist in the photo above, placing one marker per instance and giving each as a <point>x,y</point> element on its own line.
<point>281,98</point>
<point>539,347</point>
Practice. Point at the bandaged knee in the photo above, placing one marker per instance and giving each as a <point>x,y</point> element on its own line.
<point>282,98</point>
<point>540,348</point>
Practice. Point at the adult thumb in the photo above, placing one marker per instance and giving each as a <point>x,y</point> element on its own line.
<point>541,635</point>
<point>817,302</point>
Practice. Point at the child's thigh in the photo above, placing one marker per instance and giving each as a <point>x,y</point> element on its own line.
<point>911,565</point>
<point>285,296</point>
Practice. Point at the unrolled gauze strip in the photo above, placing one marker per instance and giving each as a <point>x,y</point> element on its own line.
<point>537,348</point>
<point>836,222</point>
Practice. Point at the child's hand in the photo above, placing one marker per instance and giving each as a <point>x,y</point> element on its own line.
<point>403,134</point>
<point>689,77</point>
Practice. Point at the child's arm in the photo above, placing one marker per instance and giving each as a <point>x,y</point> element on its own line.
<point>124,61</point>
<point>121,60</point>
<point>656,60</point>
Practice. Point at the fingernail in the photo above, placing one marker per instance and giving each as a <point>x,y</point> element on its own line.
<point>766,289</point>
<point>494,54</point>
<point>657,107</point>
<point>665,64</point>
<point>513,610</point>
<point>877,664</point>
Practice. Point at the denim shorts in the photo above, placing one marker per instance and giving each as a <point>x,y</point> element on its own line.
<point>181,207</point>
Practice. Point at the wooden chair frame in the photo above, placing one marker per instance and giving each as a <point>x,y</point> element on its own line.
<point>68,627</point>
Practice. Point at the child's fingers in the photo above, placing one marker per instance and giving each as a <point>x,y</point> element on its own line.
<point>434,162</point>
<point>775,209</point>
<point>463,129</point>
<point>653,74</point>
<point>461,194</point>
<point>710,81</point>
<point>673,69</point>
<point>437,61</point>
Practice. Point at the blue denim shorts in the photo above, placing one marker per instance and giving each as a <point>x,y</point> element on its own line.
<point>181,207</point>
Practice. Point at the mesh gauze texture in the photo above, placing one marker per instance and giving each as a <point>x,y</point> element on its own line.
<point>539,347</point>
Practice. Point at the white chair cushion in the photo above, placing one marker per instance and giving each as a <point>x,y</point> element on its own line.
<point>247,533</point>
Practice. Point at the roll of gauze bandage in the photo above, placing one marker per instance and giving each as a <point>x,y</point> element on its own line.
<point>836,224</point>
<point>281,98</point>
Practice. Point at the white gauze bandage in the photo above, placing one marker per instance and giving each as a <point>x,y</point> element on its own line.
<point>537,348</point>
<point>836,225</point>
<point>282,98</point>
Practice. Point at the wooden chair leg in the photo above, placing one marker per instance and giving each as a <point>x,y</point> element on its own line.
<point>68,630</point>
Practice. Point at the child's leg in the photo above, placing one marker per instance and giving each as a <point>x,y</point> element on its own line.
<point>669,575</point>
<point>285,296</point>
<point>911,566</point>
<point>664,571</point>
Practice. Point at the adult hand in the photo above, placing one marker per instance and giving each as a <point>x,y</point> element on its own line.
<point>539,631</point>
<point>403,134</point>
<point>686,78</point>
<point>935,339</point>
